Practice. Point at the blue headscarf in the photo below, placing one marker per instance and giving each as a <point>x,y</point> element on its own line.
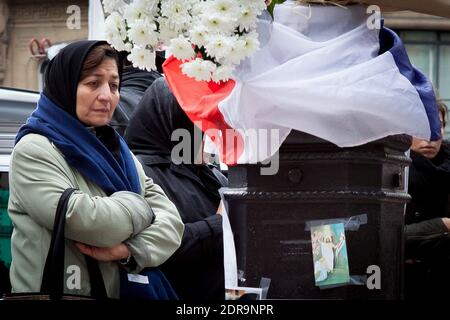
<point>58,122</point>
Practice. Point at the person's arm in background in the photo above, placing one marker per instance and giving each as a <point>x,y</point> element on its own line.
<point>200,239</point>
<point>427,228</point>
<point>424,239</point>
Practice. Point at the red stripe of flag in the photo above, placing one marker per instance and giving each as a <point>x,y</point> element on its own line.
<point>200,100</point>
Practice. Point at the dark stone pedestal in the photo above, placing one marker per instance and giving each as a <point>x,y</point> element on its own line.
<point>317,180</point>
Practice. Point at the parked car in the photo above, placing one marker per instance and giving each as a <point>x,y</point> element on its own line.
<point>15,106</point>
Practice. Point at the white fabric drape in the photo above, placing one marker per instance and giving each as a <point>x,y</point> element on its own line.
<point>319,72</point>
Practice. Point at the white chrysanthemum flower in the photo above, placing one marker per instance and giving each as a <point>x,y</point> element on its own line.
<point>251,44</point>
<point>115,40</point>
<point>247,19</point>
<point>217,24</point>
<point>181,48</point>
<point>222,73</point>
<point>140,4</point>
<point>198,35</point>
<point>254,5</point>
<point>229,9</point>
<point>142,33</point>
<point>134,11</point>
<point>198,8</point>
<point>223,29</point>
<point>128,47</point>
<point>171,8</point>
<point>219,46</point>
<point>150,7</point>
<point>111,6</point>
<point>178,13</point>
<point>115,23</point>
<point>166,33</point>
<point>199,69</point>
<point>142,58</point>
<point>238,52</point>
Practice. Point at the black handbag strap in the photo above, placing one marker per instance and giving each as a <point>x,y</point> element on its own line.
<point>98,290</point>
<point>53,278</point>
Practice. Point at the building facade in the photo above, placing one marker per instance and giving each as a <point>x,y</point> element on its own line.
<point>58,21</point>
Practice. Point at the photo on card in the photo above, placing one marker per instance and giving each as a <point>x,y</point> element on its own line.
<point>330,258</point>
<point>243,293</point>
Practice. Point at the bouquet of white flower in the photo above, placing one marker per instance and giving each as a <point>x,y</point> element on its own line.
<point>211,37</point>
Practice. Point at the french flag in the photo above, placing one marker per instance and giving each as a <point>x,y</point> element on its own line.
<point>322,70</point>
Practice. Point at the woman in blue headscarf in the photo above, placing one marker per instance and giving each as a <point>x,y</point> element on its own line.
<point>117,215</point>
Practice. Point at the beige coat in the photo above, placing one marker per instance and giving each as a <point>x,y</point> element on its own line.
<point>38,176</point>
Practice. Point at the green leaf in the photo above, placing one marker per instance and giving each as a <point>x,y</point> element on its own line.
<point>272,5</point>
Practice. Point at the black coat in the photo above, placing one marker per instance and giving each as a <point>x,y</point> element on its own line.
<point>196,269</point>
<point>429,186</point>
<point>427,238</point>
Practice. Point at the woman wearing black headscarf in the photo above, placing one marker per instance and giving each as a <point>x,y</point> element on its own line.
<point>196,269</point>
<point>116,213</point>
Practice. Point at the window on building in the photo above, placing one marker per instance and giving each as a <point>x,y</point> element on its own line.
<point>429,51</point>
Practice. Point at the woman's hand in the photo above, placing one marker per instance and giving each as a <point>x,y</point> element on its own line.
<point>105,254</point>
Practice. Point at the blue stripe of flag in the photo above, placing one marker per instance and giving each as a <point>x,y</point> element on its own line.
<point>390,41</point>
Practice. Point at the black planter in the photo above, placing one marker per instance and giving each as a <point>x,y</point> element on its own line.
<point>317,180</point>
